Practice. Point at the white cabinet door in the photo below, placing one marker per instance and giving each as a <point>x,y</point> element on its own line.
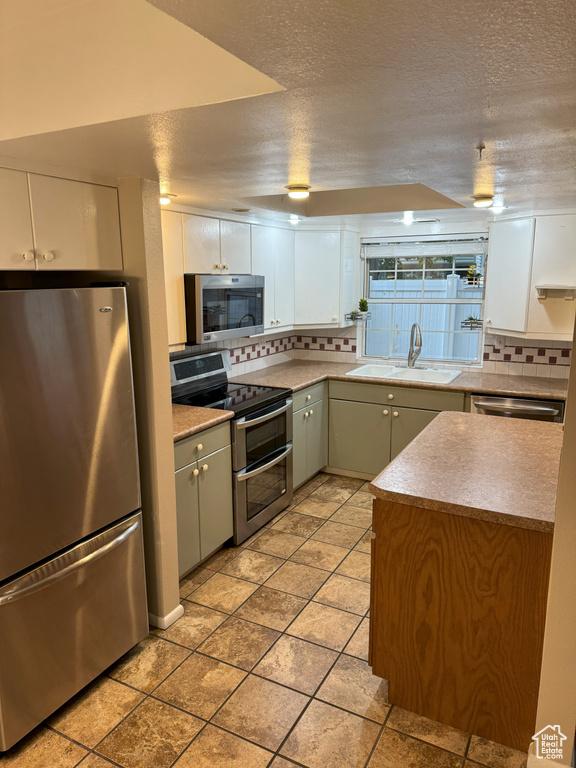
<point>174,276</point>
<point>554,263</point>
<point>263,260</point>
<point>508,278</point>
<point>317,278</point>
<point>16,244</point>
<point>201,245</point>
<point>235,247</point>
<point>284,276</point>
<point>76,225</point>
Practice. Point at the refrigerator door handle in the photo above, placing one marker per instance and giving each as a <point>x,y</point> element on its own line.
<point>67,563</point>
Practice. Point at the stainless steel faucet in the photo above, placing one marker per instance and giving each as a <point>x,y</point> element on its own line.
<point>415,345</point>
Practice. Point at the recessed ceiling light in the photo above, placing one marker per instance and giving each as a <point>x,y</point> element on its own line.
<point>241,210</point>
<point>294,219</point>
<point>408,217</point>
<point>483,201</point>
<point>166,198</point>
<point>298,191</point>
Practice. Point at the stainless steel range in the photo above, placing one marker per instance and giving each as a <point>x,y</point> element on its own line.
<point>261,435</point>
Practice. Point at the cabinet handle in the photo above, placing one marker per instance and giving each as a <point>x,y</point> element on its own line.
<point>390,397</point>
<point>199,447</point>
<point>217,266</point>
<point>306,415</point>
<point>204,467</point>
<point>308,397</point>
<point>277,322</point>
<point>395,413</point>
<point>28,256</point>
<point>385,412</point>
<point>49,256</point>
<point>311,412</point>
<point>334,318</point>
<point>225,266</point>
<point>195,472</point>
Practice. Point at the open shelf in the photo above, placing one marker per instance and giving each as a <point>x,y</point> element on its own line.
<point>569,291</point>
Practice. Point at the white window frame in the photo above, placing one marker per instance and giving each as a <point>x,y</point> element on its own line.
<point>437,363</point>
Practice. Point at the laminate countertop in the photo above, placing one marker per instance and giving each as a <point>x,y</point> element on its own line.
<point>298,374</point>
<point>188,419</point>
<point>484,467</point>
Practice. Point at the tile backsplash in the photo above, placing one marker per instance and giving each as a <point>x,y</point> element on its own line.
<point>254,353</point>
<point>527,357</point>
<point>502,354</point>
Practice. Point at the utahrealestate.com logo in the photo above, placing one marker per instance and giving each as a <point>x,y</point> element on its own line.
<point>549,743</point>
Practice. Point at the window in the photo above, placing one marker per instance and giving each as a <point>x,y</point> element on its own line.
<point>438,284</point>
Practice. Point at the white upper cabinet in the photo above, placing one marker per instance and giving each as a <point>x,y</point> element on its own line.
<point>509,271</point>
<point>235,247</point>
<point>174,276</point>
<point>554,263</point>
<point>214,246</point>
<point>76,225</point>
<point>16,244</point>
<point>273,257</point>
<point>284,276</point>
<point>263,263</point>
<point>201,245</point>
<point>317,278</point>
<point>525,254</point>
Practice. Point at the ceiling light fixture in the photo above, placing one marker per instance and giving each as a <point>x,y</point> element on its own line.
<point>166,198</point>
<point>408,217</point>
<point>294,219</point>
<point>298,191</point>
<point>483,201</point>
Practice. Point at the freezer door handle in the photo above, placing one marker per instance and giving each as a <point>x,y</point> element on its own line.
<point>67,563</point>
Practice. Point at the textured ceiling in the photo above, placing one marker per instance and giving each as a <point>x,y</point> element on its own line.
<point>377,92</point>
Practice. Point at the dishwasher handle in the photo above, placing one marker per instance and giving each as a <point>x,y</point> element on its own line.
<point>529,410</point>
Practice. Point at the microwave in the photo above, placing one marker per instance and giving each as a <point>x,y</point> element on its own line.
<point>223,307</point>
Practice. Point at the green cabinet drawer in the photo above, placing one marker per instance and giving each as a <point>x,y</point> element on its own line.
<point>358,436</point>
<point>201,444</point>
<point>308,396</point>
<point>427,399</point>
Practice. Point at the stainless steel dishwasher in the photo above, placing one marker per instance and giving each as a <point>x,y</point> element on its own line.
<point>518,408</point>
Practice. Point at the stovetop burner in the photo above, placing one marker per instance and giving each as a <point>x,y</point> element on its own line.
<point>240,398</point>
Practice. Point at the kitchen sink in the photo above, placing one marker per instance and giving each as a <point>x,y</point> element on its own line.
<point>373,371</point>
<point>393,373</point>
<point>430,375</point>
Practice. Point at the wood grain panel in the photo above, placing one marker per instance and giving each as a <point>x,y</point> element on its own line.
<point>457,614</point>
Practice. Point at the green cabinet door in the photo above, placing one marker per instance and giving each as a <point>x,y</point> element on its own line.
<point>316,439</point>
<point>215,500</point>
<point>187,518</point>
<point>299,447</point>
<point>359,436</point>
<point>406,425</point>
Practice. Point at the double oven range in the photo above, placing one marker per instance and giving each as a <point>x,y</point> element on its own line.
<point>261,435</point>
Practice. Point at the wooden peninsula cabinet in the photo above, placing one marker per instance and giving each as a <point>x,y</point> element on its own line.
<point>463,525</point>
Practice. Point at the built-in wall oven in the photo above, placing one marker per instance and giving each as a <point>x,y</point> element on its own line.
<point>261,435</point>
<point>223,306</point>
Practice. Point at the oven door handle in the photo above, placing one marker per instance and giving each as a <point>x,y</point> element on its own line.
<point>245,422</point>
<point>243,475</point>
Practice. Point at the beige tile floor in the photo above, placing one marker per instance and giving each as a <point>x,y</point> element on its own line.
<point>267,667</point>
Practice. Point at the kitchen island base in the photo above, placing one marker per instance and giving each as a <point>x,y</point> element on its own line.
<point>457,618</point>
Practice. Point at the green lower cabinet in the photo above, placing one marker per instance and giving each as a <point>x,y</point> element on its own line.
<point>359,436</point>
<point>406,424</point>
<point>203,507</point>
<point>309,441</point>
<point>188,519</point>
<point>317,438</point>
<point>215,500</point>
<point>299,449</point>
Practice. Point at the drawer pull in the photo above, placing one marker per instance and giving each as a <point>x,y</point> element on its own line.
<point>395,413</point>
<point>385,412</point>
<point>196,472</point>
<point>311,412</point>
<point>390,397</point>
<point>204,467</point>
<point>308,397</point>
<point>199,447</point>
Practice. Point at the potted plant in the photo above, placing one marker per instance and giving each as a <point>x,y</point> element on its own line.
<point>471,323</point>
<point>361,313</point>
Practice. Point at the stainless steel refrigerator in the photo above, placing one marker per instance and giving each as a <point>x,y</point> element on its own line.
<point>72,586</point>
